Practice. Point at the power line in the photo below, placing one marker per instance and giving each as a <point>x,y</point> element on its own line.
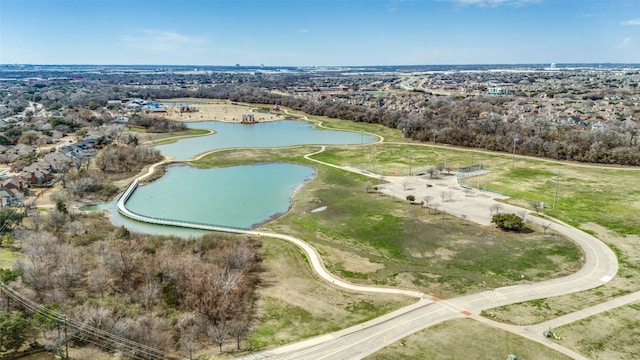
<point>91,334</point>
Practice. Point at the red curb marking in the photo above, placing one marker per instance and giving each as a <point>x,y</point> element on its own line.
<point>466,313</point>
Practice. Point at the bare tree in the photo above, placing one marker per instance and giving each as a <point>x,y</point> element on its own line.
<point>150,291</point>
<point>427,199</point>
<point>69,273</point>
<point>536,205</point>
<point>546,227</point>
<point>98,280</point>
<point>239,329</point>
<point>495,209</point>
<point>189,344</point>
<point>367,186</point>
<point>218,333</point>
<point>523,215</point>
<point>42,252</point>
<point>57,219</point>
<point>35,221</point>
<point>433,172</point>
<point>405,184</point>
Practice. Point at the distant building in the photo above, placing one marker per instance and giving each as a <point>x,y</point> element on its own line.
<point>497,91</point>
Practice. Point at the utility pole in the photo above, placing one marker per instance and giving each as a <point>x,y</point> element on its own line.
<point>410,161</point>
<point>555,196</point>
<point>2,285</point>
<point>344,155</point>
<point>513,155</point>
<point>66,341</point>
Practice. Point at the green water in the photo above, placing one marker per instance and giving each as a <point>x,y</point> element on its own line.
<point>261,135</point>
<point>238,196</point>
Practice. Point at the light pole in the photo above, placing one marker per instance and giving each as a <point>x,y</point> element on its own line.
<point>344,156</point>
<point>445,157</point>
<point>513,155</point>
<point>555,195</point>
<point>410,161</point>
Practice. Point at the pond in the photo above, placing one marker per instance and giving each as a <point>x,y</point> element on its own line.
<point>237,196</point>
<point>261,135</point>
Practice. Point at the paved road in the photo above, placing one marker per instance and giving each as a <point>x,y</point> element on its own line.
<point>364,339</point>
<point>359,341</point>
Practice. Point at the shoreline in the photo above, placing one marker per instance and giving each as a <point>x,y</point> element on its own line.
<point>216,110</point>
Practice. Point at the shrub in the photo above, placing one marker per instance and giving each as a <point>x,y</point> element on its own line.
<point>508,222</point>
<point>411,198</point>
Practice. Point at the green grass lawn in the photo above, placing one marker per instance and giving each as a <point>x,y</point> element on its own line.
<point>295,304</point>
<point>7,258</point>
<point>606,196</point>
<point>409,246</point>
<point>173,137</point>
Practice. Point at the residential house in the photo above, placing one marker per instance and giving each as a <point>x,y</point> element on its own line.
<point>5,198</point>
<point>14,152</point>
<point>11,190</point>
<point>39,173</point>
<point>58,161</point>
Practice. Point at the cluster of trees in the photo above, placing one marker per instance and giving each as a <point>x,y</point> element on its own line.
<point>117,158</point>
<point>449,120</point>
<point>156,123</point>
<point>167,293</point>
<point>455,121</point>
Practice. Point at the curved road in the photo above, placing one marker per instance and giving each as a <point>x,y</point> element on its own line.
<point>361,340</point>
<point>364,339</point>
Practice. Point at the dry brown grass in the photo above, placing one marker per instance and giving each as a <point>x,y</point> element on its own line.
<point>465,339</point>
<point>218,110</point>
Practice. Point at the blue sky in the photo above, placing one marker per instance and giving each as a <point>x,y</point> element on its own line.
<point>319,32</point>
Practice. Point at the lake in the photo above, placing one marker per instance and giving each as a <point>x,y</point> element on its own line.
<point>261,135</point>
<point>237,196</point>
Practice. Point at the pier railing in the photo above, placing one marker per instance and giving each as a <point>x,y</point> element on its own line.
<point>122,209</point>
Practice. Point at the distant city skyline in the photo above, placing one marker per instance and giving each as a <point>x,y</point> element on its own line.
<point>319,32</point>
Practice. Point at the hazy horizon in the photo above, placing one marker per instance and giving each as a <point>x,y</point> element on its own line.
<point>319,33</point>
<point>537,65</point>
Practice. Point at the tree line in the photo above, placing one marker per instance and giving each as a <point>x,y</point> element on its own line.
<point>469,122</point>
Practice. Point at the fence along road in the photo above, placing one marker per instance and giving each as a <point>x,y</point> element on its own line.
<point>356,342</point>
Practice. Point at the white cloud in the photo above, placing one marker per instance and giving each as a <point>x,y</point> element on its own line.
<point>632,22</point>
<point>626,42</point>
<point>158,40</point>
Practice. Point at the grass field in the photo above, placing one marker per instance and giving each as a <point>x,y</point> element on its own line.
<point>600,200</point>
<point>372,239</point>
<point>586,194</point>
<point>167,138</point>
<point>296,304</point>
<point>612,335</point>
<point>465,339</point>
<point>7,258</point>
